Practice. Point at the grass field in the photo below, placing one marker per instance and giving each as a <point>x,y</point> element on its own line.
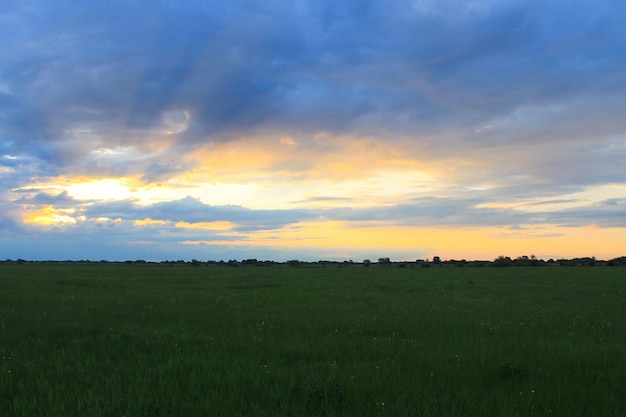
<point>155,340</point>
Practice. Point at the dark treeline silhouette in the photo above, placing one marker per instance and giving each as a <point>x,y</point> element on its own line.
<point>436,262</point>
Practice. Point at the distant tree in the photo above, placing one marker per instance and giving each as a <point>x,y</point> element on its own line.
<point>195,262</point>
<point>503,261</point>
<point>534,261</point>
<point>367,262</point>
<point>621,261</point>
<point>587,261</point>
<point>521,261</point>
<point>384,261</point>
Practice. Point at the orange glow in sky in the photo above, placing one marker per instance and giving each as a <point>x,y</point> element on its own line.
<point>312,129</point>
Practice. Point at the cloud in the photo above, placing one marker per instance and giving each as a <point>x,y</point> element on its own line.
<point>8,219</point>
<point>191,210</point>
<point>475,211</point>
<point>61,199</point>
<point>413,112</point>
<point>319,66</point>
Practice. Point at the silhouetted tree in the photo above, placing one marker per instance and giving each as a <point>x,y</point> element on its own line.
<point>503,261</point>
<point>621,261</point>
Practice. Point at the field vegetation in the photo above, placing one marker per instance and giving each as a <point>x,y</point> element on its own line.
<point>173,340</point>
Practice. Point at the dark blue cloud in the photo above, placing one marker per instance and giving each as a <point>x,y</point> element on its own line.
<point>314,65</point>
<point>192,210</point>
<point>42,198</point>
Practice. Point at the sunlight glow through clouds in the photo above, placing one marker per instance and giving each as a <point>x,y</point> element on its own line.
<point>208,193</point>
<point>50,216</point>
<point>149,222</point>
<point>218,225</point>
<point>318,125</point>
<point>100,189</point>
<point>319,156</point>
<point>257,176</point>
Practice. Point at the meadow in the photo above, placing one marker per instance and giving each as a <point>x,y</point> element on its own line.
<point>175,340</point>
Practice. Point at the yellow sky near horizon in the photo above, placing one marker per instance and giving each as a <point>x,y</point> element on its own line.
<point>350,175</point>
<point>321,129</point>
<point>378,238</point>
<point>447,242</point>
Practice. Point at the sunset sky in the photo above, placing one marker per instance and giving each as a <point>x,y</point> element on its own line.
<point>354,129</point>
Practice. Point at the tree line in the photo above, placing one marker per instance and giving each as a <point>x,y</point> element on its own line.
<point>436,261</point>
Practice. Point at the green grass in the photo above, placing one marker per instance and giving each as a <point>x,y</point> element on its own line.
<point>156,340</point>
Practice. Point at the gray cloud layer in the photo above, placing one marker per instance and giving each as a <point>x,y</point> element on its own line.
<point>117,66</point>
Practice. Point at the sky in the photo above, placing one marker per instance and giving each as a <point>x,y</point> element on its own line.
<point>293,129</point>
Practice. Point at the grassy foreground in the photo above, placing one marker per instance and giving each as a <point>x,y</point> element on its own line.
<point>129,340</point>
